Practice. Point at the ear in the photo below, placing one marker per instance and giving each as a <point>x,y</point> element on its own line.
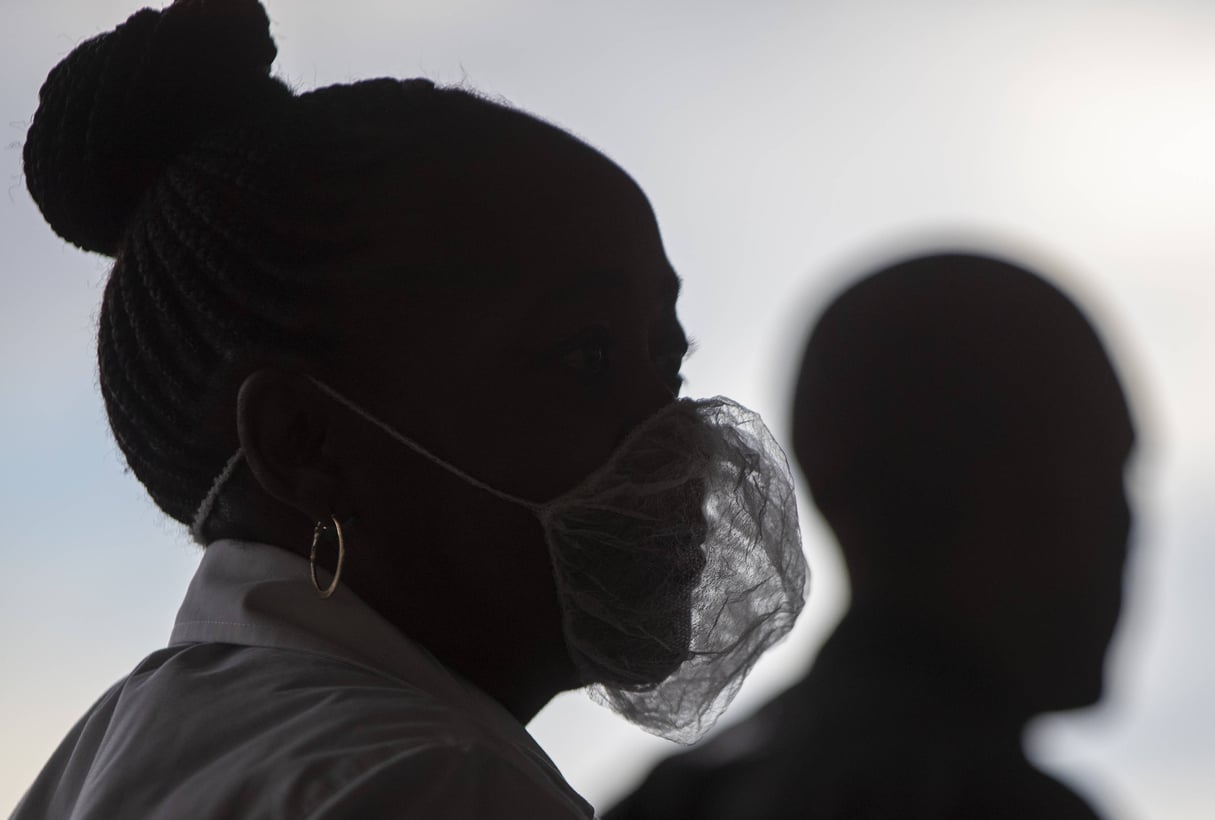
<point>284,425</point>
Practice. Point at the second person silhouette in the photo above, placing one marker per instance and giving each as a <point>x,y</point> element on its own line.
<point>964,433</point>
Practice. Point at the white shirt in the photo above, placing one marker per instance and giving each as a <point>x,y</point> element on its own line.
<point>271,702</point>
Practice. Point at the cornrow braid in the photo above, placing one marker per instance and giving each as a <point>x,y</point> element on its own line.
<point>167,145</point>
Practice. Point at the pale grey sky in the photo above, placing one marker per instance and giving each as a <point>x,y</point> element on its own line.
<point>783,145</point>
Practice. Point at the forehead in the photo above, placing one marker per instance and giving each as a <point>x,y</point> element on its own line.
<point>544,205</point>
<point>636,296</point>
<point>1077,417</point>
<point>522,231</point>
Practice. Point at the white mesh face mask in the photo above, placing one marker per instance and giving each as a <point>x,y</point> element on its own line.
<point>678,562</point>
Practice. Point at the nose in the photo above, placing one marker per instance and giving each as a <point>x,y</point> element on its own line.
<point>1126,523</point>
<point>648,394</point>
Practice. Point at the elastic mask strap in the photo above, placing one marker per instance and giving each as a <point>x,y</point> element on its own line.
<point>422,451</point>
<point>208,503</point>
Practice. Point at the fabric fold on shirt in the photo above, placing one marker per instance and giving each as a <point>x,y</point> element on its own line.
<point>273,702</point>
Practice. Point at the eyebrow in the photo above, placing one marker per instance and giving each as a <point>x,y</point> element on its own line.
<point>578,286</point>
<point>608,279</point>
<point>672,285</point>
<point>450,276</point>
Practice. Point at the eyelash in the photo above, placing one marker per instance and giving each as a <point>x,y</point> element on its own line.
<point>576,352</point>
<point>591,339</point>
<point>677,379</point>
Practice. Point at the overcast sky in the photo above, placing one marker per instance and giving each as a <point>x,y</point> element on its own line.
<point>784,146</point>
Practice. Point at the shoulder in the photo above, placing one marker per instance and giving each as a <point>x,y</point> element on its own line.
<point>223,730</point>
<point>442,781</point>
<point>826,773</point>
<point>342,740</point>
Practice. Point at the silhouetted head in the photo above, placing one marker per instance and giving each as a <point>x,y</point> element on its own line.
<point>477,278</point>
<point>965,435</point>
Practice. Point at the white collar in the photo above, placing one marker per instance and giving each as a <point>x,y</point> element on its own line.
<point>253,594</point>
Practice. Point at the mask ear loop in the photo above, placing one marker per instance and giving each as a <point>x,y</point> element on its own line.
<point>543,510</point>
<point>422,451</point>
<point>208,502</point>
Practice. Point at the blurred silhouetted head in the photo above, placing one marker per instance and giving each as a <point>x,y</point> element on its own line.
<point>965,435</point>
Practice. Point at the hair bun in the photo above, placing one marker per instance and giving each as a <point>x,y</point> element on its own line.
<point>122,105</point>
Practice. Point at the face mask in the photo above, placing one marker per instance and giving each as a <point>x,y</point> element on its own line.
<point>677,563</point>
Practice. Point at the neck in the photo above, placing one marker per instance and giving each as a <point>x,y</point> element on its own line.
<point>522,688</point>
<point>934,660</point>
<point>512,650</point>
<point>505,641</point>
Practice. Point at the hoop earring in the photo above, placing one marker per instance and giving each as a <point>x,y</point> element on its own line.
<point>321,526</point>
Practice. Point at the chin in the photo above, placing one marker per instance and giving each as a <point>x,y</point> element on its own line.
<point>629,623</point>
<point>638,658</point>
<point>1078,692</point>
<point>1091,693</point>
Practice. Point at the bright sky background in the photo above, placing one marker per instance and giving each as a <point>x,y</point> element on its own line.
<point>784,145</point>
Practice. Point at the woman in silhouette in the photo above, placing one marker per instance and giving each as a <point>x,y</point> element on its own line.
<point>406,362</point>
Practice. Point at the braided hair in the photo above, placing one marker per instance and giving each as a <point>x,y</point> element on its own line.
<point>223,198</point>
